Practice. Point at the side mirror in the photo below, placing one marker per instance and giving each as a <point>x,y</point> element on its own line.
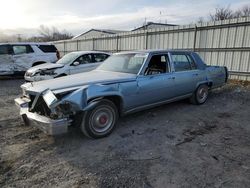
<point>76,63</point>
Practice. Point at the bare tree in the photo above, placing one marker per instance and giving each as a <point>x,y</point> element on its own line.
<point>242,12</point>
<point>222,14</point>
<point>45,32</point>
<point>226,13</point>
<point>238,14</point>
<point>200,20</point>
<point>53,34</point>
<point>245,11</point>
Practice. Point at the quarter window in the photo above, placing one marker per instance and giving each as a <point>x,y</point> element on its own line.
<point>47,48</point>
<point>183,62</point>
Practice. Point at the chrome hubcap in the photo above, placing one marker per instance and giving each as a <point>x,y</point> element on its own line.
<point>102,119</point>
<point>202,94</point>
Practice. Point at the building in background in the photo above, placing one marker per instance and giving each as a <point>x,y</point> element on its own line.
<point>153,25</point>
<point>95,33</point>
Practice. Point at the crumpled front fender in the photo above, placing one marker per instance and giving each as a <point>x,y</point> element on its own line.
<point>79,98</point>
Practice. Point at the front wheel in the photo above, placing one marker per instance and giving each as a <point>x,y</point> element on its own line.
<point>200,95</point>
<point>100,121</point>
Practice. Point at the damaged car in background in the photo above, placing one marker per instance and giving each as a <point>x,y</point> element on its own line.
<point>71,63</point>
<point>125,83</point>
<point>17,58</point>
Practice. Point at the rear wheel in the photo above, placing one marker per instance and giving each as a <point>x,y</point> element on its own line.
<point>100,120</point>
<point>200,95</point>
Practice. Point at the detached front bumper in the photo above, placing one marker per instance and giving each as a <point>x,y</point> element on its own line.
<point>47,125</point>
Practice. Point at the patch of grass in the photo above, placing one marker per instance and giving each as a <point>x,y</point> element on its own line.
<point>239,82</point>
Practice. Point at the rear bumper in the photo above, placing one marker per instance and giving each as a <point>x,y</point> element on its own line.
<point>47,125</point>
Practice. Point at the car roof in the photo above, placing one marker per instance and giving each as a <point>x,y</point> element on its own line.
<point>88,52</point>
<point>154,51</point>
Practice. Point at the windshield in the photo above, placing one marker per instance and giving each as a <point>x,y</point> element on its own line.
<point>127,63</point>
<point>68,58</point>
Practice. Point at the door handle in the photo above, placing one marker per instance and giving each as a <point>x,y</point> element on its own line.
<point>195,74</point>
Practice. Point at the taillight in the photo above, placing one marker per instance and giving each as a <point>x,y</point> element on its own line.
<point>57,54</point>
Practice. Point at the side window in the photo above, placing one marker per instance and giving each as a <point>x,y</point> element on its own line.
<point>192,63</point>
<point>84,59</point>
<point>22,49</point>
<point>4,49</point>
<point>99,57</point>
<point>158,64</point>
<point>183,62</point>
<point>47,48</point>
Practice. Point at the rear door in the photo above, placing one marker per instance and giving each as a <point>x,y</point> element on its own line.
<point>22,57</point>
<point>186,73</point>
<point>97,59</point>
<point>6,61</point>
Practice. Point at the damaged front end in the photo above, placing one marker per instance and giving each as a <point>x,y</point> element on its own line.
<point>50,112</point>
<point>40,75</point>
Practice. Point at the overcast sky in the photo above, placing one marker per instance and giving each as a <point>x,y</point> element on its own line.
<point>76,16</point>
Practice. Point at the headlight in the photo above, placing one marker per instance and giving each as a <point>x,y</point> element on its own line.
<point>47,72</point>
<point>29,74</point>
<point>49,98</point>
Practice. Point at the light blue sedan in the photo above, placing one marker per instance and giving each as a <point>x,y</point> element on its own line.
<point>126,82</point>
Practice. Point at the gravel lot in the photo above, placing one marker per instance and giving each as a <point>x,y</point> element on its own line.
<point>175,145</point>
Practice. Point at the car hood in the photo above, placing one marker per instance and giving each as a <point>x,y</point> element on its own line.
<point>75,81</point>
<point>44,66</point>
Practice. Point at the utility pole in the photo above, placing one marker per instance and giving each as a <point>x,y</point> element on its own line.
<point>19,39</point>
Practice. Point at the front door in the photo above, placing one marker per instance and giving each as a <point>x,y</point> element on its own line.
<point>155,88</point>
<point>83,64</point>
<point>157,83</point>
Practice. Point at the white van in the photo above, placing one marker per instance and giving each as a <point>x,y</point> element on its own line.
<point>17,58</point>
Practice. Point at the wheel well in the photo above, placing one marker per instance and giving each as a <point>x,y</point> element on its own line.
<point>38,63</point>
<point>115,99</point>
<point>210,84</point>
